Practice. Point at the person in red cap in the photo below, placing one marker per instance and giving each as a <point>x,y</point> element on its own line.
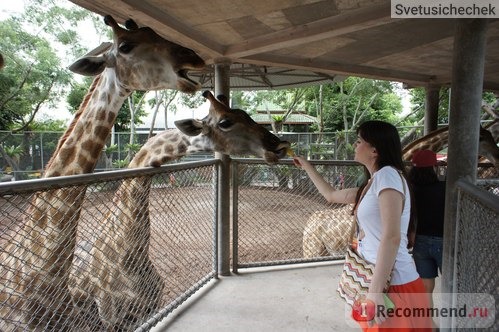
<point>429,197</point>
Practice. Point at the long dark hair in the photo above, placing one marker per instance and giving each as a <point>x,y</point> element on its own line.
<point>385,138</point>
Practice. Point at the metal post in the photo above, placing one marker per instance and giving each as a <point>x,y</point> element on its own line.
<point>235,214</point>
<point>464,121</point>
<point>222,86</point>
<point>431,109</point>
<point>41,154</point>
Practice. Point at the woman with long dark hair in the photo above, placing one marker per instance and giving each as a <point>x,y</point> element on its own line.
<point>383,211</point>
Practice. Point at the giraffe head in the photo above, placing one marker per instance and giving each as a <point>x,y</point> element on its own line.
<point>233,131</point>
<point>142,59</point>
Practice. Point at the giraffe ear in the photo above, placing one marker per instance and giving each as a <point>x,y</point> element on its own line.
<point>89,65</point>
<point>190,127</point>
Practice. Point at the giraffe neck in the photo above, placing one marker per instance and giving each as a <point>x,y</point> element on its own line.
<point>129,223</point>
<point>79,148</point>
<point>434,141</point>
<point>77,153</point>
<point>169,145</point>
<point>48,234</point>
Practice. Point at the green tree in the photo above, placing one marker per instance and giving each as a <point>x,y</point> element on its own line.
<point>34,44</point>
<point>290,100</point>
<point>32,78</point>
<point>339,106</point>
<point>354,100</point>
<point>163,98</point>
<point>77,92</point>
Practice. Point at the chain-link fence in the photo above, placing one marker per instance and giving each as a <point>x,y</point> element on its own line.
<point>24,155</point>
<point>281,217</point>
<point>477,246</point>
<point>120,250</point>
<point>108,251</point>
<point>30,151</point>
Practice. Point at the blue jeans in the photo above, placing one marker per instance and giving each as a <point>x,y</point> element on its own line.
<point>427,253</point>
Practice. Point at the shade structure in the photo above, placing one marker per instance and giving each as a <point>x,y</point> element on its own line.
<point>260,77</point>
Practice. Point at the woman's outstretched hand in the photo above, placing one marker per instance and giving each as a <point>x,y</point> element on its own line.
<point>299,161</point>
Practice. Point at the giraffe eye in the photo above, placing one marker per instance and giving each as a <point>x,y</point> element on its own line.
<point>225,124</point>
<point>126,47</point>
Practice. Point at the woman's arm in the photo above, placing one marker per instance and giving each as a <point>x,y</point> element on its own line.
<point>390,203</point>
<point>344,196</point>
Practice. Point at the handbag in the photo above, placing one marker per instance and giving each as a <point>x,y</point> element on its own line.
<point>357,272</point>
<point>356,277</point>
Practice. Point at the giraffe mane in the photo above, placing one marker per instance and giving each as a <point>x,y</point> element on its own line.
<point>76,117</point>
<point>425,142</point>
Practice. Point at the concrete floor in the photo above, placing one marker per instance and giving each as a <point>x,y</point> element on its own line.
<point>285,298</point>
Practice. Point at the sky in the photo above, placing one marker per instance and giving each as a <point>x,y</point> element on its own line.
<point>7,8</point>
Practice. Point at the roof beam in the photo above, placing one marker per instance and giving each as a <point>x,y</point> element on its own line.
<point>158,20</point>
<point>330,27</point>
<point>171,26</point>
<point>341,69</point>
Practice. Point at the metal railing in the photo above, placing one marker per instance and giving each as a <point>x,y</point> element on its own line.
<point>279,217</point>
<point>143,240</point>
<point>476,246</point>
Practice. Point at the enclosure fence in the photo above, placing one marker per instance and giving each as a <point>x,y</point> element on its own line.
<point>108,251</point>
<point>30,151</point>
<point>280,217</point>
<point>477,247</point>
<point>121,250</point>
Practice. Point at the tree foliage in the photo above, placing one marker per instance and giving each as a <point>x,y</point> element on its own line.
<point>34,45</point>
<point>32,77</point>
<point>338,106</point>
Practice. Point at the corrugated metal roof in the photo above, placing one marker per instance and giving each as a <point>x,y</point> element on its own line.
<point>252,77</point>
<point>294,118</point>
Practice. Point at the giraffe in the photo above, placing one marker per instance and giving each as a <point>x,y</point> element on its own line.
<point>113,279</point>
<point>439,139</point>
<point>329,231</point>
<point>36,261</point>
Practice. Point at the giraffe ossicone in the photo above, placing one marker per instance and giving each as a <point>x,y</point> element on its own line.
<point>135,50</point>
<point>223,125</point>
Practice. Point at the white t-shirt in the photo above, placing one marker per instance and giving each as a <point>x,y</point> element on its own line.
<point>369,217</point>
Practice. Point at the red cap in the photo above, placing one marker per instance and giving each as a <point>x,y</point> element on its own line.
<point>424,158</point>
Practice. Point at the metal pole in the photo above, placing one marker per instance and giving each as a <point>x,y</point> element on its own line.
<point>431,109</point>
<point>235,214</point>
<point>464,121</point>
<point>222,86</point>
<point>41,154</point>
